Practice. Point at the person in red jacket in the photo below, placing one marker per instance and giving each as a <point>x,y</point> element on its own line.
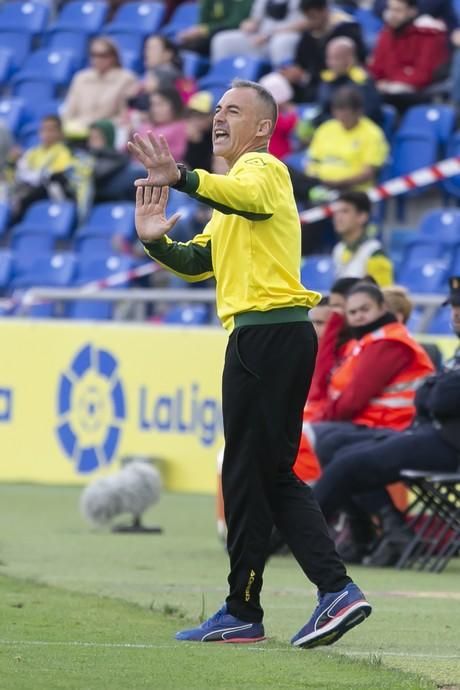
<point>409,55</point>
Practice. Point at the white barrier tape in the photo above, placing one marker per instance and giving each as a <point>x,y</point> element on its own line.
<point>398,185</point>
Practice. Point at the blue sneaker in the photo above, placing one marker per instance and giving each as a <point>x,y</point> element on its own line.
<point>223,627</point>
<point>336,614</point>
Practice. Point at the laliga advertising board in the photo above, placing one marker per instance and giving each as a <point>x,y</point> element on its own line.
<point>75,398</point>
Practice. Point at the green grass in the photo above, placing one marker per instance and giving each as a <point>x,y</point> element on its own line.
<point>91,610</point>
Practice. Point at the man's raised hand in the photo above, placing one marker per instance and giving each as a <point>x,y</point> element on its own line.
<point>153,152</point>
<point>150,219</point>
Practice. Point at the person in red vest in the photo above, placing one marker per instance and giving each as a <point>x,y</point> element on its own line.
<point>375,385</point>
<point>370,396</point>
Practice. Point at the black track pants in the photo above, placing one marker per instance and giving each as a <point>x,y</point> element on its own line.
<point>267,374</point>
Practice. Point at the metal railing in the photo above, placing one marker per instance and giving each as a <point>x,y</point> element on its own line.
<point>142,297</point>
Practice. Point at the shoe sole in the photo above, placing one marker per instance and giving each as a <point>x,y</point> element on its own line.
<point>355,615</point>
<point>240,640</point>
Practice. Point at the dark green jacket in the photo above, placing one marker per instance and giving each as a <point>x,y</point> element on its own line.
<point>224,14</point>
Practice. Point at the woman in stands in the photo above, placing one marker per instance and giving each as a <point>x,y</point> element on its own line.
<point>166,118</point>
<point>99,92</point>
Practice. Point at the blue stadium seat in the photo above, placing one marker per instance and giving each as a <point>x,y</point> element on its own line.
<point>56,270</point>
<point>452,185</point>
<point>29,135</point>
<point>31,243</point>
<point>35,110</point>
<point>6,265</point>
<point>188,315</point>
<point>424,276</point>
<point>105,221</point>
<point>12,113</point>
<point>371,25</point>
<point>317,272</point>
<point>28,17</point>
<point>224,71</point>
<point>6,65</point>
<point>110,218</point>
<point>17,43</point>
<point>441,223</point>
<point>441,323</point>
<point>86,16</point>
<point>144,18</point>
<point>74,42</point>
<point>47,270</point>
<point>194,65</point>
<point>131,46</point>
<point>57,66</point>
<point>92,268</point>
<point>425,247</point>
<point>455,266</point>
<point>437,119</point>
<point>185,15</point>
<point>390,115</point>
<point>54,219</point>
<point>297,160</point>
<point>412,149</point>
<point>33,90</point>
<point>4,217</point>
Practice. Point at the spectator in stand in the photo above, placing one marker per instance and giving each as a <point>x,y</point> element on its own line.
<point>439,9</point>
<point>323,23</point>
<point>271,32</point>
<point>345,154</point>
<point>343,69</point>
<point>347,151</point>
<point>357,254</point>
<point>162,69</point>
<point>215,16</point>
<point>281,90</point>
<point>199,116</point>
<point>99,92</point>
<point>113,172</point>
<point>432,443</point>
<point>361,391</point>
<point>166,118</point>
<point>411,53</point>
<point>44,171</point>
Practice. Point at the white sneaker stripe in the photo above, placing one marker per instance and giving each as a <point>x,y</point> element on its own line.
<point>225,631</point>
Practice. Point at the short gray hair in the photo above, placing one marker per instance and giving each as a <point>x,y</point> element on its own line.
<point>264,96</point>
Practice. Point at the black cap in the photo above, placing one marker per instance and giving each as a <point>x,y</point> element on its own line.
<point>454,292</point>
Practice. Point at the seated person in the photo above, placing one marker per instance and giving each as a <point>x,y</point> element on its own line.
<point>271,31</point>
<point>215,16</point>
<point>358,254</point>
<point>343,69</point>
<point>281,140</point>
<point>410,54</point>
<point>113,172</point>
<point>347,151</point>
<point>162,69</point>
<point>324,23</point>
<point>44,171</point>
<point>432,443</point>
<point>100,91</point>
<point>166,117</point>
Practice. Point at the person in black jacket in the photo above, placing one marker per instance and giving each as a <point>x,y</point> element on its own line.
<point>432,443</point>
<point>324,24</point>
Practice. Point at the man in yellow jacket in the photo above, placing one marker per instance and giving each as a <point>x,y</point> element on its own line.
<point>44,171</point>
<point>252,247</point>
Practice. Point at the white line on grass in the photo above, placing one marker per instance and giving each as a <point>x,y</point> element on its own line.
<point>261,648</point>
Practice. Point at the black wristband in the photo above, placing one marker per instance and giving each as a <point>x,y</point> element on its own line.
<point>181,182</point>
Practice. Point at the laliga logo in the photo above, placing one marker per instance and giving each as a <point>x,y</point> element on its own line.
<point>91,409</point>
